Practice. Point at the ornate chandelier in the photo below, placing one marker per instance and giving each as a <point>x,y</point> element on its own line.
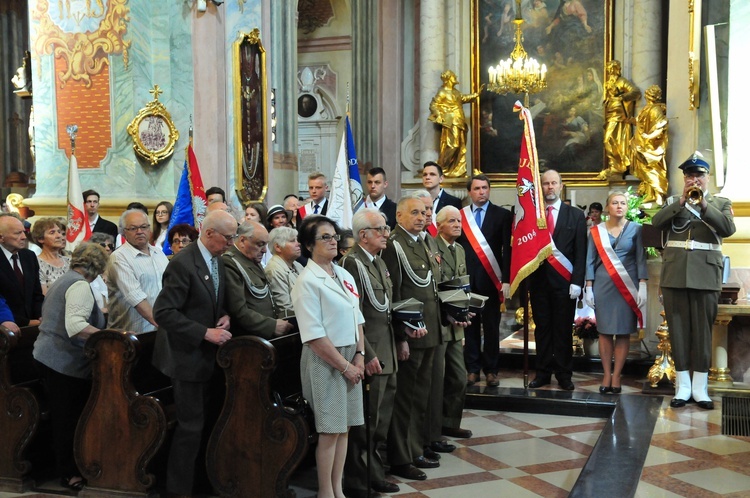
<point>520,73</point>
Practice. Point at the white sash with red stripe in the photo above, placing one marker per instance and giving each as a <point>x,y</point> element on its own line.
<point>559,262</point>
<point>616,270</point>
<point>482,248</point>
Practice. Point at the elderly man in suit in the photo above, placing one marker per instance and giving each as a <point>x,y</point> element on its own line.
<point>556,285</point>
<point>20,285</point>
<point>371,233</point>
<point>192,324</point>
<point>413,269</point>
<point>376,198</point>
<point>249,299</point>
<point>691,277</point>
<point>96,222</point>
<point>486,239</point>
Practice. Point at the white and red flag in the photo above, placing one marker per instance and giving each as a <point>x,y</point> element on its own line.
<point>531,243</point>
<point>78,229</point>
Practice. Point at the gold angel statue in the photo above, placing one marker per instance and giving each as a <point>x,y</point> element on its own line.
<point>620,96</point>
<point>447,110</point>
<point>649,147</point>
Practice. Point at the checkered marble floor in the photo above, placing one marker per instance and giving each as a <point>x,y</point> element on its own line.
<point>531,455</point>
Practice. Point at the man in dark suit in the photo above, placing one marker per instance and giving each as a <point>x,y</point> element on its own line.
<point>691,277</point>
<point>493,224</point>
<point>376,185</point>
<point>96,222</point>
<point>432,177</point>
<point>20,284</point>
<point>318,203</point>
<point>413,269</point>
<point>375,299</point>
<point>249,299</point>
<point>556,285</point>
<point>192,324</point>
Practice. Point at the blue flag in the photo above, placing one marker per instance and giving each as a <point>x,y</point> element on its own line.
<point>183,208</point>
<point>355,184</point>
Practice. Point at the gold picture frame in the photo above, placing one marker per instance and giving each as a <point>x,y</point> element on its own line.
<point>496,130</point>
<point>250,123</point>
<point>153,132</point>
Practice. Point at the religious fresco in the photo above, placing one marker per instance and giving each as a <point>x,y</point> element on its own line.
<point>94,62</point>
<point>573,38</point>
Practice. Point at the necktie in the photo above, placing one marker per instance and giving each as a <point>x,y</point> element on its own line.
<point>452,249</point>
<point>215,277</point>
<point>478,216</point>
<point>17,269</point>
<point>315,211</point>
<point>550,220</point>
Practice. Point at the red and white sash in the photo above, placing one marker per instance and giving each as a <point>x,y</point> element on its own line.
<point>559,262</point>
<point>615,269</point>
<point>482,248</point>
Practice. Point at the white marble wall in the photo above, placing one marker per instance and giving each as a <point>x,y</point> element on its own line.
<point>431,64</point>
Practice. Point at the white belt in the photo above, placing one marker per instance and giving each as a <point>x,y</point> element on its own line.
<point>690,245</point>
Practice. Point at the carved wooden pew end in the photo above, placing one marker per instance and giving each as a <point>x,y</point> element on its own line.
<point>21,414</point>
<point>120,430</point>
<point>256,444</point>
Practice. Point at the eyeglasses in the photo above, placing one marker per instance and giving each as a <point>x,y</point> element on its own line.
<point>111,247</point>
<point>160,213</point>
<point>328,237</point>
<point>182,242</point>
<point>142,228</point>
<point>384,230</point>
<point>228,238</point>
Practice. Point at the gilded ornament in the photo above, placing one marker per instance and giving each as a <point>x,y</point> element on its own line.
<point>620,96</point>
<point>153,132</point>
<point>83,34</point>
<point>649,148</point>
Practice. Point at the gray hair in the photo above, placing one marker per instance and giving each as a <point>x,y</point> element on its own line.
<point>129,212</point>
<point>91,258</point>
<point>445,212</point>
<point>361,220</point>
<point>281,236</point>
<point>246,229</point>
<point>101,238</point>
<point>419,194</point>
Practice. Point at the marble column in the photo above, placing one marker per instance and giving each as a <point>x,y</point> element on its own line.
<point>283,79</point>
<point>365,74</point>
<point>392,108</point>
<point>646,45</point>
<point>431,62</point>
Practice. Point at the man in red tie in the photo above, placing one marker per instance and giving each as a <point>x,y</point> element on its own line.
<point>556,285</point>
<point>20,284</point>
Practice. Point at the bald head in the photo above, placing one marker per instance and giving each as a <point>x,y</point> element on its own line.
<point>252,240</point>
<point>217,206</point>
<point>218,231</point>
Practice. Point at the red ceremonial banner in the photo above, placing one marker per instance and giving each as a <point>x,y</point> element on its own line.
<point>531,242</point>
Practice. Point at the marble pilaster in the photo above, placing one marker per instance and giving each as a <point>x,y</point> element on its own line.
<point>431,62</point>
<point>646,45</point>
<point>365,73</point>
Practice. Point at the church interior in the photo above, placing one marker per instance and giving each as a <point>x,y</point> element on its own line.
<point>259,90</point>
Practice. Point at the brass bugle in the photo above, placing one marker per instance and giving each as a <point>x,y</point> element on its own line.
<point>694,195</point>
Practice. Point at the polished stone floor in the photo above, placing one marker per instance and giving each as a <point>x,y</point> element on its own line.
<point>518,454</point>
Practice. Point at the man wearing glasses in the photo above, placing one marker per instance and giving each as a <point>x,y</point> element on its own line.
<point>371,232</point>
<point>249,299</point>
<point>192,324</point>
<point>134,276</point>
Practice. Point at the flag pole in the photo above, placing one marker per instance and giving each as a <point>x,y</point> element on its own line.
<point>526,320</point>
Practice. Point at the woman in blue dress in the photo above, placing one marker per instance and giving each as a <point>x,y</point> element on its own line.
<point>616,277</point>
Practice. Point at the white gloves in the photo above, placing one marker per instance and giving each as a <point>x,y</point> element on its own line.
<point>575,291</point>
<point>506,291</point>
<point>588,297</point>
<point>642,295</point>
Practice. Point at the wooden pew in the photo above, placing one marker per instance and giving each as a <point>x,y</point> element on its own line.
<point>21,413</point>
<point>120,429</point>
<point>256,444</point>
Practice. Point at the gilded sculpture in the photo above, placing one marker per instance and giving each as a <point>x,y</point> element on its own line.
<point>446,110</point>
<point>649,148</point>
<point>620,97</point>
